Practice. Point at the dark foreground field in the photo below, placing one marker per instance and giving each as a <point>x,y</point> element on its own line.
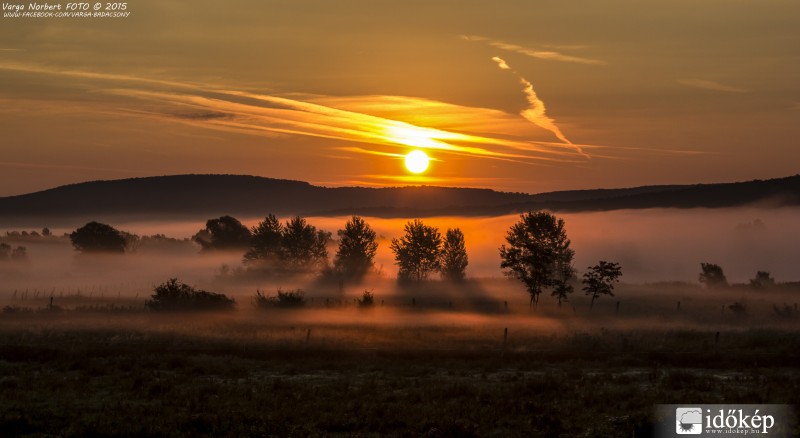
<point>155,375</point>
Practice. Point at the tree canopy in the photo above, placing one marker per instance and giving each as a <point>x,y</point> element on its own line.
<point>356,251</point>
<point>599,279</point>
<point>762,280</point>
<point>418,252</point>
<point>712,275</point>
<point>303,246</point>
<point>292,247</point>
<point>265,241</point>
<point>98,237</point>
<point>537,252</point>
<point>17,254</point>
<point>454,256</point>
<point>225,232</point>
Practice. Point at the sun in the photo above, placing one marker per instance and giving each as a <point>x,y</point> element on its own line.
<point>417,161</point>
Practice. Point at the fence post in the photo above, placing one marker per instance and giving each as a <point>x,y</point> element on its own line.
<point>505,341</point>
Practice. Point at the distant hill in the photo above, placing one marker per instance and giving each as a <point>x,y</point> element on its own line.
<point>192,196</point>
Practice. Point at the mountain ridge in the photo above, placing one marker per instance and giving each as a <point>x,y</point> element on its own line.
<point>191,195</point>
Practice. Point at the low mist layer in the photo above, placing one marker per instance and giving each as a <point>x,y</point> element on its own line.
<point>651,246</point>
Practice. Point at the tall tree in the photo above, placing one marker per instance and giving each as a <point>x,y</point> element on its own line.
<point>303,247</point>
<point>357,248</point>
<point>265,242</point>
<point>537,249</point>
<point>712,275</point>
<point>418,252</point>
<point>225,232</point>
<point>97,237</point>
<point>454,256</point>
<point>599,279</point>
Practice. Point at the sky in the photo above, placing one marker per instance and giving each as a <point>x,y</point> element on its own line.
<point>526,96</point>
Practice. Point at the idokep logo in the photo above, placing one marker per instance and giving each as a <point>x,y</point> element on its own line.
<point>689,421</point>
<point>731,420</point>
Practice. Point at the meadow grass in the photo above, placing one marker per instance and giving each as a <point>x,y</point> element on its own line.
<point>306,373</point>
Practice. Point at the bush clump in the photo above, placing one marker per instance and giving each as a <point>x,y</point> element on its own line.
<point>366,300</point>
<point>289,299</point>
<point>173,295</point>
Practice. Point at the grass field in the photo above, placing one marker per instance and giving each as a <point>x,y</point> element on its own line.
<point>385,372</point>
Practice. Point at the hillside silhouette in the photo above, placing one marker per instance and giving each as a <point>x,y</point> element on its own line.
<point>193,195</point>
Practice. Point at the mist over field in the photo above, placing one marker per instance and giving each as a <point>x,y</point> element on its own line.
<point>421,356</point>
<point>651,245</point>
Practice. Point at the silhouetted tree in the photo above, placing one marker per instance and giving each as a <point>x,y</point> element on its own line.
<point>97,237</point>
<point>762,281</point>
<point>418,252</point>
<point>173,295</point>
<point>132,241</point>
<point>5,251</point>
<point>454,256</point>
<point>46,232</point>
<point>537,252</point>
<point>225,232</point>
<point>562,286</point>
<point>357,248</point>
<point>600,278</point>
<point>303,247</point>
<point>19,254</point>
<point>712,276</point>
<point>265,242</point>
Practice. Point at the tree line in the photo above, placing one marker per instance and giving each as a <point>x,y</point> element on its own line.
<point>536,251</point>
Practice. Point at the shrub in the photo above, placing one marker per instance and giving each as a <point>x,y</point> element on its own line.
<point>289,299</point>
<point>712,275</point>
<point>173,295</point>
<point>737,308</point>
<point>367,299</point>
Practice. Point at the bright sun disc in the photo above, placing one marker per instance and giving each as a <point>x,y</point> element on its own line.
<point>417,161</point>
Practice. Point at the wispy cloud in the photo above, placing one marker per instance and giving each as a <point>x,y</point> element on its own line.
<point>354,125</point>
<point>711,85</point>
<point>551,55</point>
<point>259,114</point>
<point>536,112</point>
<point>359,150</point>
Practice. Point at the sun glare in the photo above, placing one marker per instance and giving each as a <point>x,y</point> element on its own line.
<point>417,161</point>
<point>412,136</point>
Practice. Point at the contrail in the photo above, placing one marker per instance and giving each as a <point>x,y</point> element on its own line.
<point>536,113</point>
<point>550,55</point>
